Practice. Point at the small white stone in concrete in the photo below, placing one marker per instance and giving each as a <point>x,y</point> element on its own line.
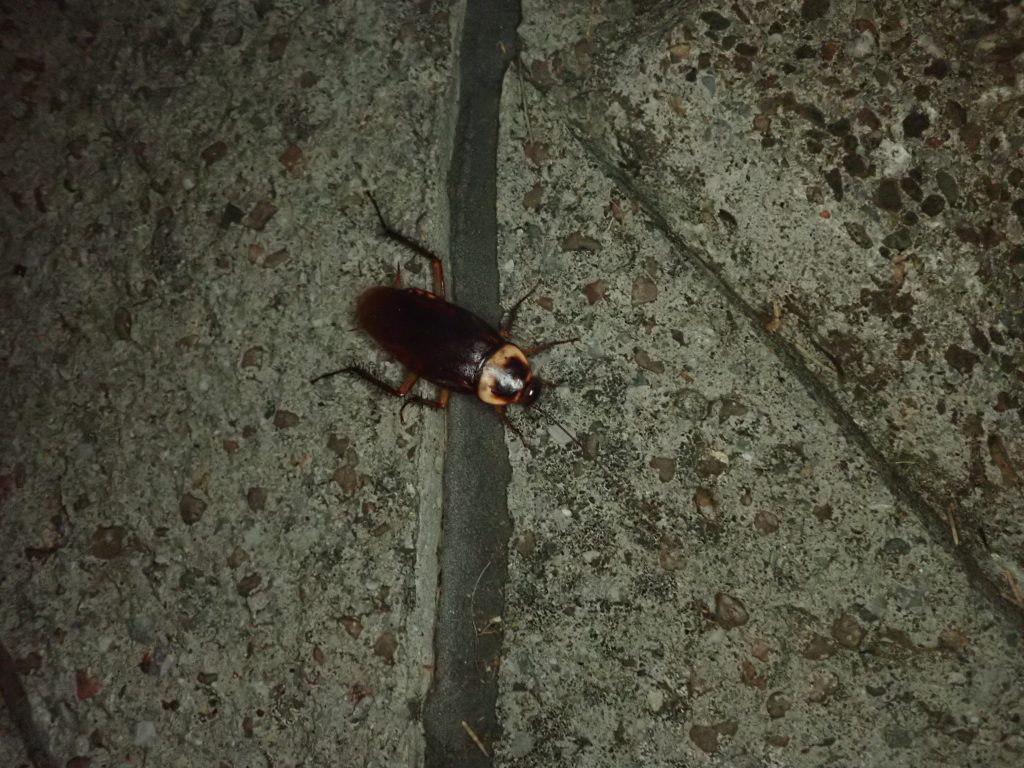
<point>521,745</point>
<point>655,700</point>
<point>862,46</point>
<point>895,157</point>
<point>929,46</point>
<point>145,732</point>
<point>715,637</point>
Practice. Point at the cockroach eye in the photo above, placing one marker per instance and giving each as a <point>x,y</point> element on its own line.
<point>531,392</point>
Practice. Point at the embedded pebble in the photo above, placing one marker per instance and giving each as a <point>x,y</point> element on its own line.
<point>847,631</point>
<point>777,705</point>
<point>655,700</point>
<point>526,544</point>
<point>385,647</point>
<point>818,648</point>
<point>145,732</point>
<point>214,152</point>
<point>766,522</point>
<point>256,498</point>
<point>645,361</point>
<point>665,466</point>
<point>285,419</point>
<point>260,214</point>
<point>948,187</point>
<point>108,542</point>
<point>861,46</point>
<point>521,745</point>
<point>730,611</point>
<point>887,195</point>
<point>577,241</point>
<point>915,124</point>
<point>362,709</point>
<point>253,357</point>
<point>191,509</point>
<point>595,291</point>
<point>249,584</point>
<point>123,324</point>
<point>644,290</point>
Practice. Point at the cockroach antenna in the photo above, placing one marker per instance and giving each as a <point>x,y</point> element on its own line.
<point>558,424</point>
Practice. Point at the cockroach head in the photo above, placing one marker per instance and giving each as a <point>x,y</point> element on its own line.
<point>506,378</point>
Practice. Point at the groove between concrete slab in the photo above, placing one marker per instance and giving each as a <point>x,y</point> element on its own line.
<point>475,526</point>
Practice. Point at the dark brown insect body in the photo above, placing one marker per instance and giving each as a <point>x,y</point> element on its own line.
<point>447,345</point>
<point>444,343</point>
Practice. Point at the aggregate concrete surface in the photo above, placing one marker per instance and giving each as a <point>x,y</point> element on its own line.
<point>789,236</point>
<point>799,543</point>
<point>207,560</point>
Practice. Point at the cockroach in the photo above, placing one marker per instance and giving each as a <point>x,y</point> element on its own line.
<point>444,343</point>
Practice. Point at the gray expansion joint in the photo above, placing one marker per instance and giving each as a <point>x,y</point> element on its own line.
<point>459,717</point>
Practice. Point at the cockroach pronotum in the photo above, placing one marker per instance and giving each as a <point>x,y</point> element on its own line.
<point>445,343</point>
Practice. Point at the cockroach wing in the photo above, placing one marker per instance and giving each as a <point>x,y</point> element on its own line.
<point>436,340</point>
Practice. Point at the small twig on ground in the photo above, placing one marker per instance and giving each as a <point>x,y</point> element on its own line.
<point>952,525</point>
<point>476,739</point>
<point>1012,581</point>
<point>12,691</point>
<point>472,599</point>
<point>522,98</point>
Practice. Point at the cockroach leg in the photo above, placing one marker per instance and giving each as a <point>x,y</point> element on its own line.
<point>407,384</point>
<point>327,375</point>
<point>548,345</point>
<point>510,318</point>
<point>355,370</point>
<point>412,245</point>
<point>440,404</point>
<point>400,391</point>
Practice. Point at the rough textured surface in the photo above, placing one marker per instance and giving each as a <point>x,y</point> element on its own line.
<point>853,175</point>
<point>731,579</point>
<point>206,560</point>
<point>790,237</point>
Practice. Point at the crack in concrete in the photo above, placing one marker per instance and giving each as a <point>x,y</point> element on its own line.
<point>898,484</point>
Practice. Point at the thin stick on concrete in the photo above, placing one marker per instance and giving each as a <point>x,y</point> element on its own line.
<point>12,690</point>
